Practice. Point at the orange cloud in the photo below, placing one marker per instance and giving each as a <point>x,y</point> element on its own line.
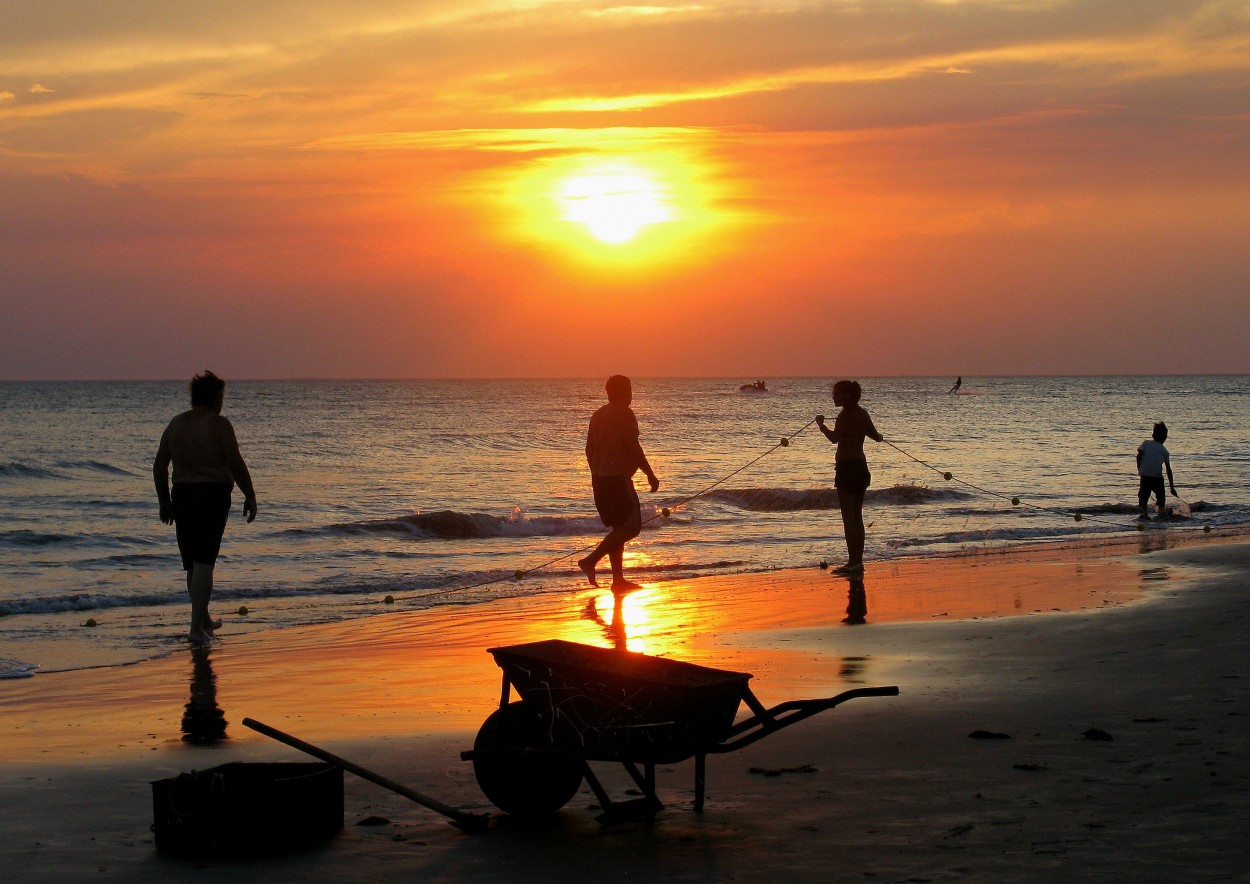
<point>927,183</point>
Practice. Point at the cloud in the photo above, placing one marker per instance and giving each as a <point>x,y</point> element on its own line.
<point>354,171</point>
<point>483,65</point>
<point>85,132</point>
<point>641,11</point>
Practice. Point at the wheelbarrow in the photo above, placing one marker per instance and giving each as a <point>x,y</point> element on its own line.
<point>579,703</point>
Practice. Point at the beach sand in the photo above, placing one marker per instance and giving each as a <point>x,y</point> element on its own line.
<point>1118,673</point>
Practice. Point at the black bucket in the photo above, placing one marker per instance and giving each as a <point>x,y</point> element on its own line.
<point>247,809</point>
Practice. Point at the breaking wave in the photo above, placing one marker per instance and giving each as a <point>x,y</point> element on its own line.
<point>452,525</point>
<point>786,500</point>
<point>17,470</point>
<point>94,466</point>
<point>35,538</point>
<point>448,584</point>
<point>62,469</point>
<point>10,668</point>
<point>997,535</point>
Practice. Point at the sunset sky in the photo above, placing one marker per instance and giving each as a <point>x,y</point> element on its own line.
<point>474,188</point>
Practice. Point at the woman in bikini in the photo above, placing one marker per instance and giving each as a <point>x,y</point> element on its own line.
<point>851,475</point>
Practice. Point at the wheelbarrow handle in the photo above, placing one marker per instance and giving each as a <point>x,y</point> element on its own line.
<point>767,721</point>
<point>811,707</point>
<point>886,691</point>
<point>469,822</point>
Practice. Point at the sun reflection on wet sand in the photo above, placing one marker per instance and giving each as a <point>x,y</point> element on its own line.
<point>429,671</point>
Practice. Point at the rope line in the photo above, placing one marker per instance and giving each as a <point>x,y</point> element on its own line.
<point>664,512</point>
<point>1014,499</point>
<point>783,443</point>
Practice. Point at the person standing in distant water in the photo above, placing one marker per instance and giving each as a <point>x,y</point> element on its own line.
<point>1152,459</point>
<point>959,382</point>
<point>206,465</point>
<point>614,454</point>
<point>851,475</point>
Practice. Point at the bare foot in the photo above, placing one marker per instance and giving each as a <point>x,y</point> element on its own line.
<point>588,568</point>
<point>849,568</point>
<point>214,624</point>
<point>622,586</point>
<point>200,637</point>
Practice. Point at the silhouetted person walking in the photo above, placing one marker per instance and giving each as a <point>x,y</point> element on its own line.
<point>207,464</point>
<point>614,455</point>
<point>851,475</point>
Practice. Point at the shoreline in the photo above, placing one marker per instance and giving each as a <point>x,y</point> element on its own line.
<point>724,621</point>
<point>105,646</point>
<point>1156,659</point>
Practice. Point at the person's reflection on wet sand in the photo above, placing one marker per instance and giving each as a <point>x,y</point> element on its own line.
<point>856,602</point>
<point>853,668</point>
<point>202,720</point>
<point>1149,542</point>
<point>614,631</point>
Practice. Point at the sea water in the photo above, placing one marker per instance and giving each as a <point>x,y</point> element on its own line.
<point>442,492</point>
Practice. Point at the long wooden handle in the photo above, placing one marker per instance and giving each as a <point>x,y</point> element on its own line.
<point>469,822</point>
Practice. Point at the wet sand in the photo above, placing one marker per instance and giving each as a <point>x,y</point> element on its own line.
<point>1148,648</point>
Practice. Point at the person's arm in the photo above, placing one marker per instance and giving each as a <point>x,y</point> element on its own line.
<point>160,475</point>
<point>640,456</point>
<point>1139,454</point>
<point>646,469</point>
<point>238,468</point>
<point>870,430</point>
<point>846,424</point>
<point>594,433</point>
<point>831,435</point>
<point>1167,464</point>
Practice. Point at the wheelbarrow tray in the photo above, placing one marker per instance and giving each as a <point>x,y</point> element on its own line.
<point>616,705</point>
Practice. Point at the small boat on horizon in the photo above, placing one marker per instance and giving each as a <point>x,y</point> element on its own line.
<point>757,387</point>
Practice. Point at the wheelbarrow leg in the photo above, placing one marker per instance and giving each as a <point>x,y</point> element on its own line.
<point>646,783</point>
<point>759,709</point>
<point>700,771</point>
<point>597,787</point>
<point>615,811</point>
<point>649,770</point>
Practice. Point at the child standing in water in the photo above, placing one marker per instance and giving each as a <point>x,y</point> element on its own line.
<point>851,475</point>
<point>1152,460</point>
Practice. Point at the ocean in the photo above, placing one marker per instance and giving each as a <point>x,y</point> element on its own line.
<point>456,492</point>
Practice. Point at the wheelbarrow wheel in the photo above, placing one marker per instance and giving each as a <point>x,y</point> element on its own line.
<point>516,781</point>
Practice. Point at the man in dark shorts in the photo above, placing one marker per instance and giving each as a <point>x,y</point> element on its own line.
<point>614,455</point>
<point>202,447</point>
<point>850,471</point>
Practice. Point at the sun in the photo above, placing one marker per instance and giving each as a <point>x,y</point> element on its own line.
<point>614,205</point>
<point>585,202</point>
